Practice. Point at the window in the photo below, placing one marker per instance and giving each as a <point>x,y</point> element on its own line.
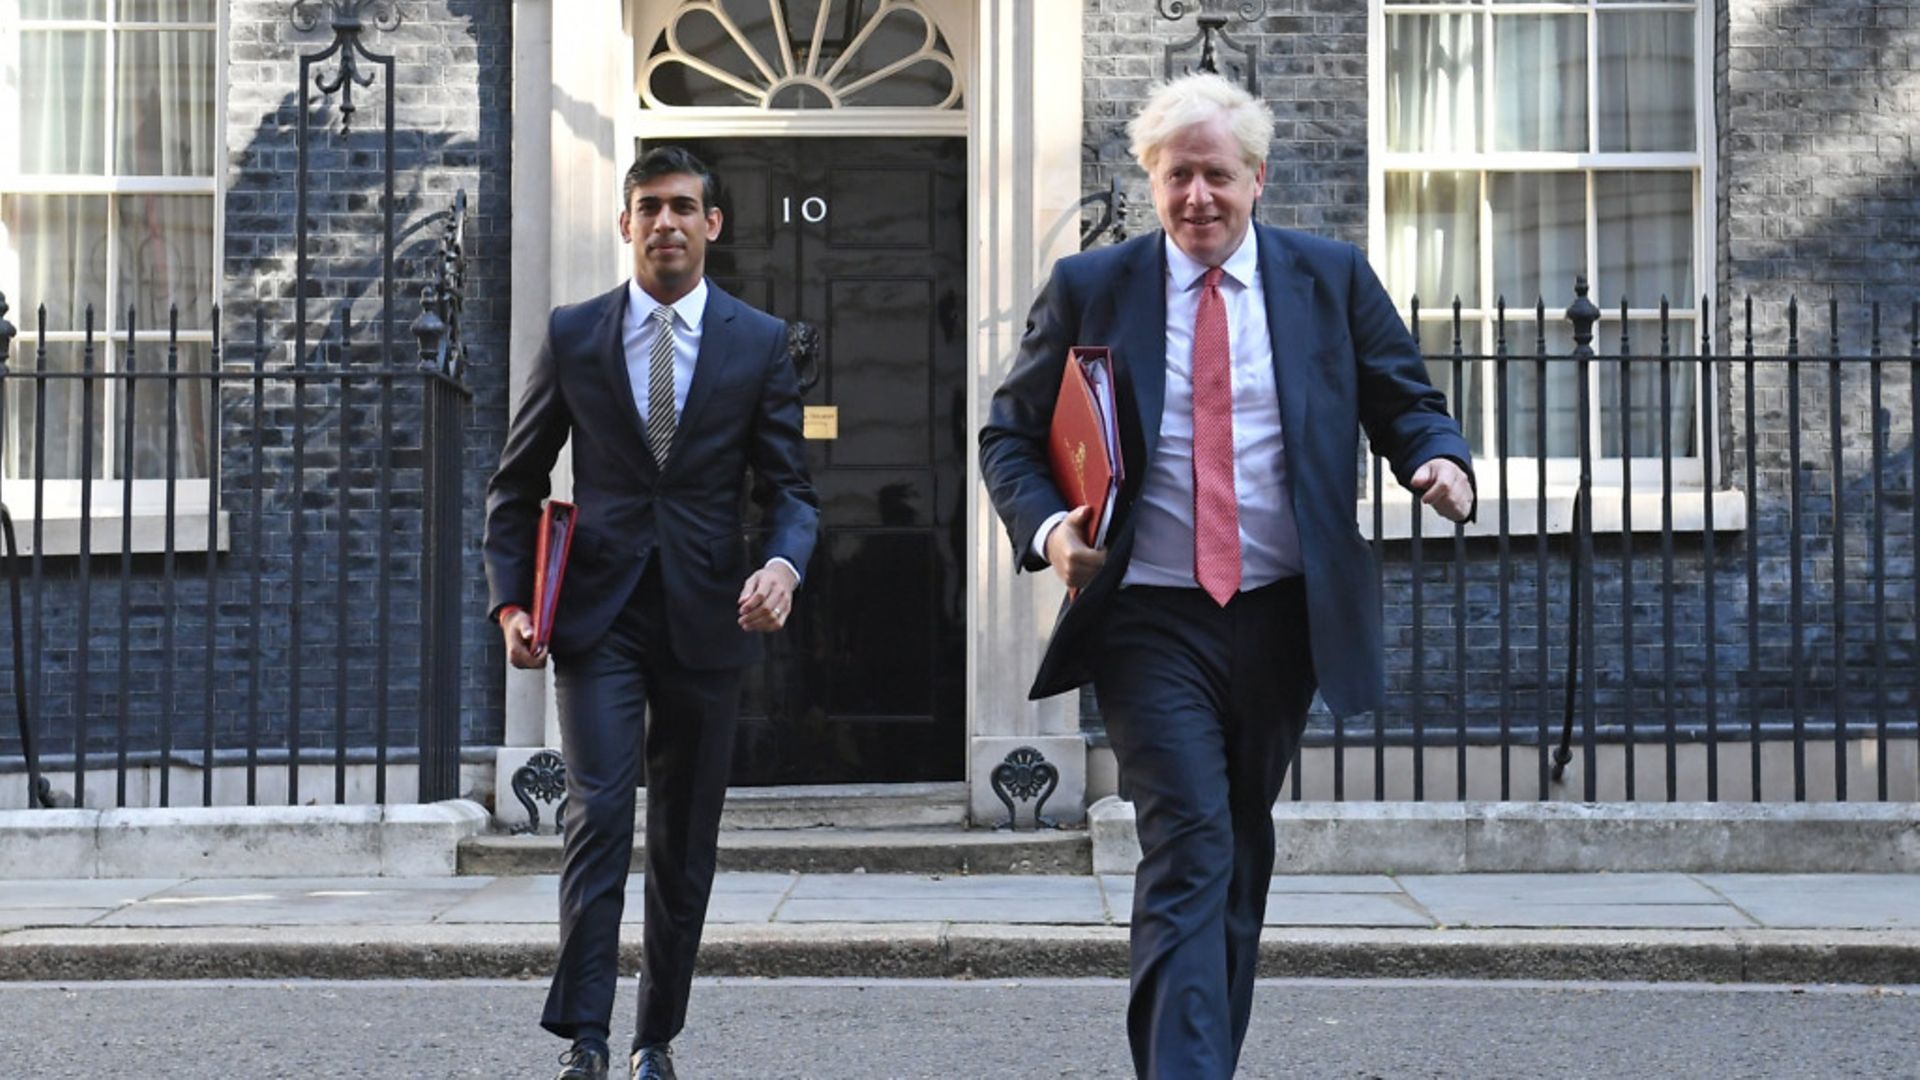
<point>838,54</point>
<point>110,153</point>
<point>1517,145</point>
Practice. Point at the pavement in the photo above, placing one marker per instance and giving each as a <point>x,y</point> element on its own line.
<point>1656,927</point>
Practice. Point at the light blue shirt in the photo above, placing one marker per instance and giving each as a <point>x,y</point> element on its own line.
<point>1163,512</point>
<point>638,337</point>
<point>640,331</point>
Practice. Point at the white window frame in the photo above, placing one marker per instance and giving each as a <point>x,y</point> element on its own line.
<point>1562,472</point>
<point>60,508</point>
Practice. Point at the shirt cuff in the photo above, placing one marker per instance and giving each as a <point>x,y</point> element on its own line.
<point>797,579</point>
<point>1045,530</point>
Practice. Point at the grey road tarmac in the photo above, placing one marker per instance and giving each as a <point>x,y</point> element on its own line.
<point>847,1030</point>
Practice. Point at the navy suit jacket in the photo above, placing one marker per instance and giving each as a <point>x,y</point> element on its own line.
<point>1343,360</point>
<point>742,411</point>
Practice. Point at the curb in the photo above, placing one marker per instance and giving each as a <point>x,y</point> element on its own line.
<point>969,951</point>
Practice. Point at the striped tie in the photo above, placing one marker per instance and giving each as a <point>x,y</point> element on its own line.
<point>660,419</point>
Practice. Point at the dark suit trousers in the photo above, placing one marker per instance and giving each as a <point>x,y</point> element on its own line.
<point>625,696</point>
<point>1204,706</point>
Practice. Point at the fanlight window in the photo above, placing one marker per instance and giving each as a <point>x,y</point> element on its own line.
<point>801,54</point>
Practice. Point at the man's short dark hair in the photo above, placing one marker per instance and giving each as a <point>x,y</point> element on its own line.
<point>669,161</point>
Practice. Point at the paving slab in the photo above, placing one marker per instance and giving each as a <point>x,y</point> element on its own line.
<point>535,899</point>
<point>976,886</point>
<point>1122,884</point>
<point>1820,901</point>
<point>1530,889</point>
<point>294,902</point>
<point>1354,909</point>
<point>531,899</point>
<point>1673,901</point>
<point>1330,900</point>
<point>1332,883</point>
<point>964,898</point>
<point>1086,910</point>
<point>22,918</point>
<point>87,892</point>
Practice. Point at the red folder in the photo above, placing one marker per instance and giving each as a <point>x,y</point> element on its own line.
<point>550,566</point>
<point>1084,444</point>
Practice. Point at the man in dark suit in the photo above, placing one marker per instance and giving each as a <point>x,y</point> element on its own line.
<point>671,390</point>
<point>1235,581</point>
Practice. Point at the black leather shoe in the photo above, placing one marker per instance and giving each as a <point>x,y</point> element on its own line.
<point>586,1061</point>
<point>653,1063</point>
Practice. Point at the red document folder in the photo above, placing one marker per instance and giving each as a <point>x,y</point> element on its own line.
<point>1084,444</point>
<point>550,566</point>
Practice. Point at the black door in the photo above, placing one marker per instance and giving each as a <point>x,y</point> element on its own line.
<point>863,241</point>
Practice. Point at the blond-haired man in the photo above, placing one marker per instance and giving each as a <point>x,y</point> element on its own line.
<point>1235,582</point>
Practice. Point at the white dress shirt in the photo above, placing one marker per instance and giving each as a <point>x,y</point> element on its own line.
<point>1163,513</point>
<point>638,335</point>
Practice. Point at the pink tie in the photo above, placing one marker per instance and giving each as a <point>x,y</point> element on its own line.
<point>1216,513</point>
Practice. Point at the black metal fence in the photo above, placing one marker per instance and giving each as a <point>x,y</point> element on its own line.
<point>1689,564</point>
<point>308,623</point>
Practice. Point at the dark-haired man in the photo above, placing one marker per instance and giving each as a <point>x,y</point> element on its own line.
<point>671,390</point>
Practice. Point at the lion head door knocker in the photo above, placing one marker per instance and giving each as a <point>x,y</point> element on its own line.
<point>803,349</point>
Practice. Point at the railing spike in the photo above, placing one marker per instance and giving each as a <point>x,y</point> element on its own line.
<point>7,332</point>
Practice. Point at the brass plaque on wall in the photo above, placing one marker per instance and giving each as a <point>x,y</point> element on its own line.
<point>821,422</point>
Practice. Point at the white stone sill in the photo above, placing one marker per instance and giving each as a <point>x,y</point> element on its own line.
<point>1523,514</point>
<point>107,533</point>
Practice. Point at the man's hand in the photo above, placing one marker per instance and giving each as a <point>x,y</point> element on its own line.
<point>517,626</point>
<point>767,599</point>
<point>1445,487</point>
<point>1072,559</point>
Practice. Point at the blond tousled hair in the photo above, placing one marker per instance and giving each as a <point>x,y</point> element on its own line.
<point>1195,99</point>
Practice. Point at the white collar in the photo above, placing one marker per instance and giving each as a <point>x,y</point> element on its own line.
<point>689,308</point>
<point>1186,271</point>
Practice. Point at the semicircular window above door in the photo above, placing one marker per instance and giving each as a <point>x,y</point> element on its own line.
<point>801,54</point>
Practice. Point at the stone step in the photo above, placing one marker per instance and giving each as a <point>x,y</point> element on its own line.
<point>841,806</point>
<point>949,850</point>
<point>844,806</point>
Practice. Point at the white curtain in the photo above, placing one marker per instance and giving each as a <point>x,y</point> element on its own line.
<point>1646,81</point>
<point>1540,82</point>
<point>1539,247</point>
<point>161,248</point>
<point>1433,238</point>
<point>1433,82</point>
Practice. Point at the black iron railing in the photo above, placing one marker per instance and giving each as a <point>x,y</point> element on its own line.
<point>1737,599</point>
<point>310,625</point>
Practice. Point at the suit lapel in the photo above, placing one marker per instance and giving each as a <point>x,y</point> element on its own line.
<point>610,342</point>
<point>709,367</point>
<point>1289,295</point>
<point>1140,331</point>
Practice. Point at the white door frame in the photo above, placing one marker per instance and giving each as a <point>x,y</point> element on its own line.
<point>575,108</point>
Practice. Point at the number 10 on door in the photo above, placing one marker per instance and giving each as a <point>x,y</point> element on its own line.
<point>813,210</point>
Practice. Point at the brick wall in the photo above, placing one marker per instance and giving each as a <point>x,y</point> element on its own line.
<point>451,131</point>
<point>1312,73</point>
